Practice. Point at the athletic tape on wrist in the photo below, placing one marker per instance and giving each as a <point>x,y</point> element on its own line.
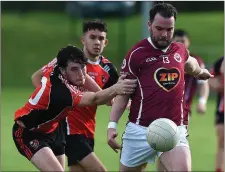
<point>202,100</point>
<point>112,125</point>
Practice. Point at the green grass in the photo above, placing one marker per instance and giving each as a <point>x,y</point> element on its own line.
<point>202,136</point>
<point>30,40</point>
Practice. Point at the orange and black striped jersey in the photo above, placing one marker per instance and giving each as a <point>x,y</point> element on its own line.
<point>51,102</point>
<point>103,72</point>
<point>83,119</point>
<point>215,70</point>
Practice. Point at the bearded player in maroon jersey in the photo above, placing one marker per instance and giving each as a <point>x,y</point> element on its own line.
<point>159,66</point>
<point>36,132</point>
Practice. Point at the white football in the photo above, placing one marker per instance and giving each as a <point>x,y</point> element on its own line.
<point>162,134</point>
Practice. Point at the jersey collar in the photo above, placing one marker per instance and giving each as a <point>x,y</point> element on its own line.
<point>95,63</point>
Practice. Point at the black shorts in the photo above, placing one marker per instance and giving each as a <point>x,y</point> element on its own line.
<point>29,142</point>
<point>77,148</point>
<point>219,118</point>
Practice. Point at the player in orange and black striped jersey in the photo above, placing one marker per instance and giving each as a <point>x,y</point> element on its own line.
<point>217,84</point>
<point>81,126</point>
<point>36,132</point>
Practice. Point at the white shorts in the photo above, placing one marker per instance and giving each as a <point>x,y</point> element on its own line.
<point>135,148</point>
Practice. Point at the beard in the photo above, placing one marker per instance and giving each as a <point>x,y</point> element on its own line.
<point>156,43</point>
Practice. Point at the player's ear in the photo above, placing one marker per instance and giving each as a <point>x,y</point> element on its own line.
<point>106,42</point>
<point>82,40</point>
<point>149,24</point>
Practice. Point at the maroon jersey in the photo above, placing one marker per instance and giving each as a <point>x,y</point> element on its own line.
<point>191,85</point>
<point>160,89</point>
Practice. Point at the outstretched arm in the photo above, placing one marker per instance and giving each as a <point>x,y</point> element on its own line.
<point>192,67</point>
<point>123,86</point>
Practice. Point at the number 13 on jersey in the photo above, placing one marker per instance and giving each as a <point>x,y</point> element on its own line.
<point>166,60</point>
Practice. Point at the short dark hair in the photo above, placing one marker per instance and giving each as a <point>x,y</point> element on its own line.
<point>164,9</point>
<point>70,54</point>
<point>95,24</point>
<point>180,33</point>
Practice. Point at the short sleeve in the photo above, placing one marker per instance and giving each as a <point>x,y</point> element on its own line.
<point>131,64</point>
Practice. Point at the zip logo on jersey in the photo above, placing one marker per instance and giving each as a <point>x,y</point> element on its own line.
<point>167,79</point>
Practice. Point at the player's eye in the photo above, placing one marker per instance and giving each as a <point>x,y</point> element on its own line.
<point>101,38</point>
<point>159,28</point>
<point>74,69</point>
<point>93,37</point>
